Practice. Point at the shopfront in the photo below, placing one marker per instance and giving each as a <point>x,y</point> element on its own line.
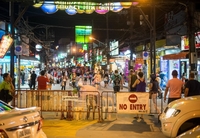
<point>5,64</point>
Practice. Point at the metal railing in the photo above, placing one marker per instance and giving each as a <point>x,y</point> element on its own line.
<point>76,106</point>
<point>67,101</point>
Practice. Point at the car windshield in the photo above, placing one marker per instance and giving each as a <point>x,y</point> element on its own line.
<point>5,107</point>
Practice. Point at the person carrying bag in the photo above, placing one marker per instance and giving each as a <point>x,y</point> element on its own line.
<point>7,90</point>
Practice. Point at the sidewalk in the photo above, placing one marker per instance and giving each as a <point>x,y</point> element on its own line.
<point>125,126</point>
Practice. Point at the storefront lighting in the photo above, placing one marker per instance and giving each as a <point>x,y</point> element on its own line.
<point>49,7</point>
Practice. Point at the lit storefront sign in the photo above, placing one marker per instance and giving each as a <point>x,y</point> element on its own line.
<point>6,59</point>
<point>114,48</point>
<point>83,33</point>
<point>5,44</point>
<point>185,41</point>
<point>85,46</point>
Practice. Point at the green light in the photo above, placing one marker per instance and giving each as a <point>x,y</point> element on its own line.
<point>85,46</point>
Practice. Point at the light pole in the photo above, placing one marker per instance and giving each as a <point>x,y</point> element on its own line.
<point>92,38</point>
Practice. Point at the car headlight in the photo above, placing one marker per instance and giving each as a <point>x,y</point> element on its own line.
<point>172,112</point>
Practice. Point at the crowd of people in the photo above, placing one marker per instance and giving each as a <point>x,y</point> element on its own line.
<point>175,87</point>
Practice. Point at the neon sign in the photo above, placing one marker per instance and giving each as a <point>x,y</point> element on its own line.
<point>51,7</point>
<point>5,44</point>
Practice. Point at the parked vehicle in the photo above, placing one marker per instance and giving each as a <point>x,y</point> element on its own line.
<point>20,123</point>
<point>193,133</point>
<point>180,116</point>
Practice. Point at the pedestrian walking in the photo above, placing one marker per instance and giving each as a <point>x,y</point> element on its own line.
<point>140,85</point>
<point>51,80</point>
<point>106,80</point>
<point>22,74</point>
<point>64,81</point>
<point>131,80</point>
<point>117,81</point>
<point>85,76</point>
<point>154,90</point>
<point>183,77</point>
<point>97,80</point>
<point>42,81</point>
<point>174,87</point>
<point>33,80</point>
<point>73,79</point>
<point>90,77</point>
<point>192,86</point>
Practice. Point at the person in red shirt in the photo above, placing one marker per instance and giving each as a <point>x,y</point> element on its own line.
<point>42,81</point>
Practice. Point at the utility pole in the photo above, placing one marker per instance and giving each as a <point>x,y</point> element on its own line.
<point>154,36</point>
<point>12,48</point>
<point>152,28</point>
<point>191,35</point>
<point>107,45</point>
<point>131,45</point>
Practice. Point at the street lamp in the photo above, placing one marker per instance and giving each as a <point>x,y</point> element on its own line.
<point>92,38</point>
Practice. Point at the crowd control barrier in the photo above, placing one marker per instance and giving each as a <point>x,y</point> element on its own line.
<point>68,102</point>
<point>90,104</point>
<point>129,103</point>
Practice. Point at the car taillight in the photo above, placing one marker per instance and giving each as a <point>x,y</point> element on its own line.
<point>40,123</point>
<point>3,134</point>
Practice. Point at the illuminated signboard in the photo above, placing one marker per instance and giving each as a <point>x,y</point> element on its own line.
<point>85,46</point>
<point>72,8</point>
<point>82,34</point>
<point>114,48</point>
<point>185,41</point>
<point>5,44</point>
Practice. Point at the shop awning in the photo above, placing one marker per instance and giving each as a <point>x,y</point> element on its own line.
<point>181,55</point>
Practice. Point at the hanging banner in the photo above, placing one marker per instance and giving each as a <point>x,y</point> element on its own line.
<point>133,103</point>
<point>5,44</point>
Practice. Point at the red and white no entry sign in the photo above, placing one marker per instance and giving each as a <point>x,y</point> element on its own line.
<point>132,98</point>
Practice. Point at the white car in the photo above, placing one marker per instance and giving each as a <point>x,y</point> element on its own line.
<point>20,123</point>
<point>193,133</point>
<point>180,116</point>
